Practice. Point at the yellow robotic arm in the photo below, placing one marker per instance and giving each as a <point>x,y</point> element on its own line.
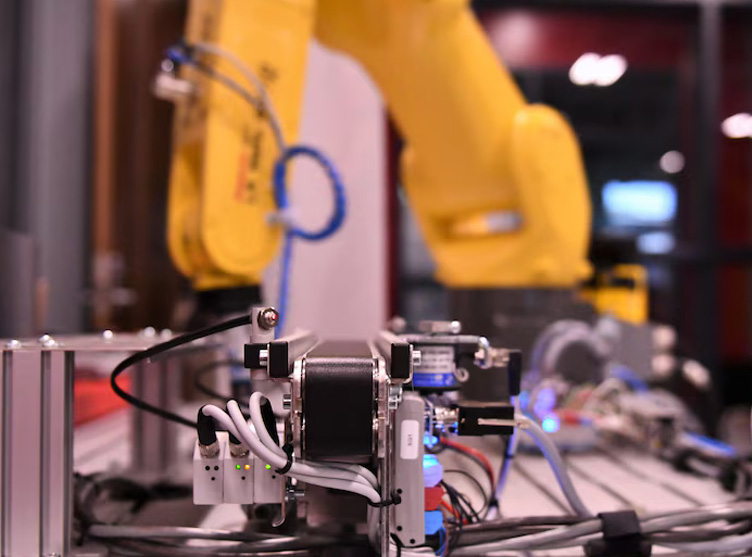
<point>497,185</point>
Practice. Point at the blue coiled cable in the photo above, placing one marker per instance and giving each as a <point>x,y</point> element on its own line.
<point>279,180</point>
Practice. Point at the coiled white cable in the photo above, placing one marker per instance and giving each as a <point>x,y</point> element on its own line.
<point>333,478</point>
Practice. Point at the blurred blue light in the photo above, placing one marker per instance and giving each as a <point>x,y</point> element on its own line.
<point>550,424</point>
<point>711,445</point>
<point>430,460</point>
<point>430,441</point>
<point>524,400</point>
<point>656,242</point>
<point>545,402</point>
<point>639,202</point>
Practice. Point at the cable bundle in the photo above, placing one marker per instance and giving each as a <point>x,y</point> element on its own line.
<point>344,477</point>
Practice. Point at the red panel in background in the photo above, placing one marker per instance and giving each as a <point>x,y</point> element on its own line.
<point>556,38</point>
<point>93,398</point>
<point>734,191</point>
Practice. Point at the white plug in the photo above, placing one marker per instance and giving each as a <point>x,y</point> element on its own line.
<point>208,474</point>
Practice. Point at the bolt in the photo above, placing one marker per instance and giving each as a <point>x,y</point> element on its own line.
<point>395,396</point>
<point>264,357</point>
<point>107,334</point>
<point>149,332</point>
<point>13,344</point>
<point>268,318</point>
<point>416,357</point>
<point>47,340</point>
<point>167,66</point>
<point>286,401</point>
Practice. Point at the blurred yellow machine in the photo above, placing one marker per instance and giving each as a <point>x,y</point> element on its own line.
<point>497,185</point>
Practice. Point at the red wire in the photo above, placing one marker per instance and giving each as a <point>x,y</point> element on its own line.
<point>472,452</point>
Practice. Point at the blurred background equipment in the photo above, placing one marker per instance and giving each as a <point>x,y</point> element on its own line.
<point>569,283</point>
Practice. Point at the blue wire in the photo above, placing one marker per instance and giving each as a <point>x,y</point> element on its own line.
<point>279,180</point>
<point>442,542</point>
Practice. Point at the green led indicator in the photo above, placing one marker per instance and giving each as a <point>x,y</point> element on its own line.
<point>268,466</point>
<point>237,467</point>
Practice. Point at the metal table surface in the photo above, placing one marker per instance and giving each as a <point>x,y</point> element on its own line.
<point>607,479</point>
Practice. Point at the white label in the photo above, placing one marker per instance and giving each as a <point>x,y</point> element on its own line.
<point>410,440</point>
<point>436,359</point>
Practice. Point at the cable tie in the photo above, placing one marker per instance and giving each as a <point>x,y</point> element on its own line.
<point>622,537</point>
<point>288,448</point>
<point>395,499</point>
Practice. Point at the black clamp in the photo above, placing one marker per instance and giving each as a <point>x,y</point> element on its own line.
<point>288,448</point>
<point>622,537</point>
<point>395,499</point>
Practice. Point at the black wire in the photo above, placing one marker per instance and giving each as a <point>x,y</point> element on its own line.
<point>211,366</point>
<point>470,512</point>
<point>473,459</point>
<point>470,477</point>
<point>461,516</point>
<point>159,349</point>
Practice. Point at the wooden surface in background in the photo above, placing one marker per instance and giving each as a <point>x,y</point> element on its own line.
<point>131,165</point>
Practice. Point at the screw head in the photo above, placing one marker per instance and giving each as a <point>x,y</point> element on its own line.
<point>107,334</point>
<point>268,318</point>
<point>47,341</point>
<point>12,344</point>
<point>149,332</point>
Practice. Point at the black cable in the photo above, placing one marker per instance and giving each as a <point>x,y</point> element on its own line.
<point>473,459</point>
<point>470,512</point>
<point>461,516</point>
<point>486,499</point>
<point>159,349</point>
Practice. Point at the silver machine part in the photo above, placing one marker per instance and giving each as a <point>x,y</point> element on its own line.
<point>37,452</point>
<point>36,438</point>
<point>408,522</point>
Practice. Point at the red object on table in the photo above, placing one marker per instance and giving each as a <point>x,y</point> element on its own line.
<point>94,398</point>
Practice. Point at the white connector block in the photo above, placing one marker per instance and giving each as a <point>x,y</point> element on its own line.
<point>242,480</point>
<point>208,475</point>
<point>239,479</point>
<point>268,484</point>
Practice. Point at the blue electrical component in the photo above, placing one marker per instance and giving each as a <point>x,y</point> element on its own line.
<point>434,522</point>
<point>433,380</point>
<point>550,423</point>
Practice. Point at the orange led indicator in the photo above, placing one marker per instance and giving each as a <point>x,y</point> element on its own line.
<point>247,466</point>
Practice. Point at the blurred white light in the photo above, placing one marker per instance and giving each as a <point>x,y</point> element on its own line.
<point>594,69</point>
<point>656,242</point>
<point>672,162</point>
<point>610,69</point>
<point>639,202</point>
<point>583,71</point>
<point>737,126</point>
